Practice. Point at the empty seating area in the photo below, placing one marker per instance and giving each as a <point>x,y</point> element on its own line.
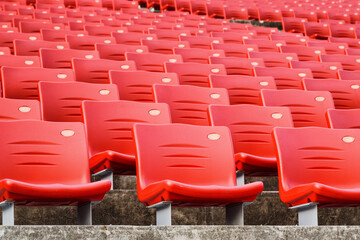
<point>202,110</point>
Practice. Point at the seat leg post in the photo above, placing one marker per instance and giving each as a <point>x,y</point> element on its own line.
<point>8,213</point>
<point>235,214</point>
<point>308,216</point>
<point>163,215</point>
<point>109,176</point>
<point>85,214</point>
<point>240,178</point>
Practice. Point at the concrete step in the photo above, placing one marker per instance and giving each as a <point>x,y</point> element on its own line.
<point>121,207</point>
<point>179,232</point>
<point>129,182</point>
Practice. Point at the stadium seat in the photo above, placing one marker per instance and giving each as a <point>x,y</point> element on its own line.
<point>215,10</point>
<point>238,66</point>
<point>34,27</point>
<point>317,30</point>
<point>266,45</point>
<point>164,46</point>
<point>308,108</point>
<point>251,127</point>
<point>31,48</point>
<point>242,89</point>
<point>352,51</point>
<point>197,55</point>
<point>304,13</point>
<point>152,62</point>
<point>305,53</point>
<point>19,109</point>
<point>349,63</point>
<point>34,173</point>
<point>194,73</point>
<point>132,38</point>
<point>117,51</point>
<point>61,101</point>
<point>58,35</point>
<point>195,168</point>
<point>344,93</point>
<point>22,82</point>
<point>330,48</point>
<point>103,31</point>
<point>292,39</point>
<point>169,35</point>
<point>109,126</point>
<point>285,78</point>
<point>198,7</point>
<point>234,37</point>
<point>201,41</point>
<point>97,70</point>
<point>348,75</point>
<point>54,58</point>
<point>188,104</point>
<point>352,43</point>
<point>125,4</point>
<point>6,39</point>
<point>137,85</point>
<point>321,70</point>
<point>315,172</point>
<point>87,42</point>
<point>295,25</point>
<point>343,118</point>
<point>236,50</point>
<point>272,59</point>
<point>342,31</point>
<point>269,15</point>
<point>233,12</point>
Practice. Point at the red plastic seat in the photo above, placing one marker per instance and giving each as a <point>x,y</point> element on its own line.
<point>198,7</point>
<point>87,42</point>
<point>304,53</point>
<point>269,14</point>
<point>242,89</point>
<point>272,59</point>
<point>295,25</point>
<point>103,31</point>
<point>308,108</point>
<point>236,50</point>
<point>195,168</point>
<point>285,78</point>
<point>137,85</point>
<point>321,70</point>
<point>266,45</point>
<point>22,82</point>
<point>314,171</point>
<point>35,27</point>
<point>234,37</point>
<point>6,39</point>
<point>235,12</point>
<point>152,62</point>
<point>330,48</point>
<point>198,55</point>
<point>194,73</point>
<point>263,33</point>
<point>201,41</point>
<point>343,119</point>
<point>117,51</point>
<point>342,31</point>
<point>339,16</point>
<point>61,101</point>
<point>168,5</point>
<point>97,70</point>
<point>31,48</point>
<point>88,3</point>
<point>124,4</point>
<point>59,35</point>
<point>53,58</point>
<point>238,66</point>
<point>188,104</point>
<point>251,128</point>
<point>109,126</point>
<point>351,51</point>
<point>34,173</point>
<point>311,16</point>
<point>132,38</point>
<point>169,35</point>
<point>291,39</point>
<point>164,46</point>
<point>19,109</point>
<point>348,75</point>
<point>344,93</point>
<point>317,30</point>
<point>349,63</point>
<point>215,10</point>
<point>352,43</point>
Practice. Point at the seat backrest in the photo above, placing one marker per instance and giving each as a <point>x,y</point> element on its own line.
<point>97,70</point>
<point>195,74</point>
<point>285,78</point>
<point>272,59</point>
<point>203,42</point>
<point>188,104</point>
<point>291,24</point>
<point>251,126</point>
<point>34,27</point>
<point>314,29</point>
<point>343,119</point>
<point>164,46</point>
<point>308,108</point>
<point>242,89</point>
<point>22,82</point>
<point>131,38</point>
<point>87,42</point>
<point>41,152</point>
<point>53,58</point>
<point>137,85</point>
<point>349,63</point>
<point>317,155</point>
<point>235,49</point>
<point>31,48</point>
<point>266,45</point>
<point>198,55</point>
<point>61,101</point>
<point>342,31</point>
<point>344,93</point>
<point>321,70</point>
<point>152,62</point>
<point>304,53</point>
<point>109,124</point>
<point>348,75</point>
<point>19,61</point>
<point>330,48</point>
<point>59,35</point>
<point>188,154</point>
<point>238,66</point>
<point>19,109</point>
<point>117,51</point>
